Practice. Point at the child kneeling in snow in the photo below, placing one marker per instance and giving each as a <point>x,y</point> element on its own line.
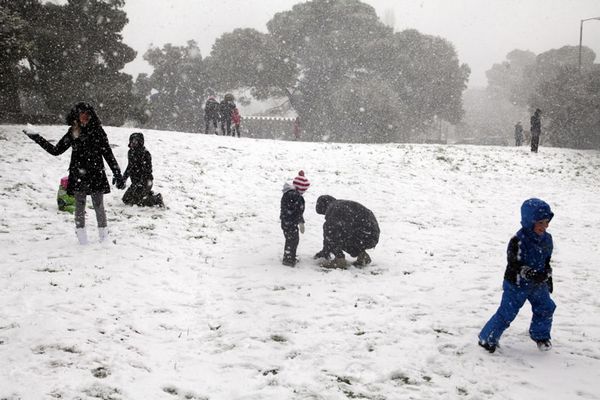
<point>528,276</point>
<point>139,169</point>
<point>66,202</point>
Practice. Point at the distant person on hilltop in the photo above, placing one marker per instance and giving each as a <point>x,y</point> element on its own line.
<point>349,227</point>
<point>518,134</point>
<point>297,128</point>
<point>236,120</point>
<point>536,129</point>
<point>90,146</point>
<point>292,216</point>
<point>226,110</point>
<point>528,277</point>
<point>211,114</point>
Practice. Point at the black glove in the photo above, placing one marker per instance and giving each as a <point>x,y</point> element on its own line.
<point>550,285</point>
<point>119,182</point>
<point>32,135</point>
<point>322,254</point>
<point>530,274</point>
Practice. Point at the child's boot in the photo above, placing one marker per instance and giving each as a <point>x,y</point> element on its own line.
<point>544,345</point>
<point>81,235</point>
<point>488,346</point>
<point>102,233</point>
<point>362,259</point>
<point>338,262</point>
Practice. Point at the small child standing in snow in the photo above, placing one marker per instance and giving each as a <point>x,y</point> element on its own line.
<point>528,276</point>
<point>236,119</point>
<point>292,216</point>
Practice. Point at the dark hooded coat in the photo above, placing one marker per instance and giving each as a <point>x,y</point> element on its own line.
<point>292,207</point>
<point>536,122</point>
<point>139,161</point>
<point>226,110</point>
<point>89,150</point>
<point>211,109</point>
<point>349,226</point>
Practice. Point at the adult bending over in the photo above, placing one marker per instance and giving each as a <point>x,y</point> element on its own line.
<point>349,227</point>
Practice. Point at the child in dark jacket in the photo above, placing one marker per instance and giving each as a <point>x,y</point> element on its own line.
<point>292,216</point>
<point>139,169</point>
<point>528,276</point>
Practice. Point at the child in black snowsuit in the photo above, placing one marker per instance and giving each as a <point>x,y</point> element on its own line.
<point>292,216</point>
<point>139,169</point>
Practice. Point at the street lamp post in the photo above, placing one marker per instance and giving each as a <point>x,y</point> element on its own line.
<point>581,36</point>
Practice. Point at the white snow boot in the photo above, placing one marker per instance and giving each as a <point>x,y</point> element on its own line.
<point>81,236</point>
<point>102,234</point>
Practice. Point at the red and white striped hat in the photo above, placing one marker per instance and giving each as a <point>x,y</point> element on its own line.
<point>300,182</point>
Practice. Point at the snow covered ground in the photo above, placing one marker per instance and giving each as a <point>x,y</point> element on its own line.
<point>191,301</point>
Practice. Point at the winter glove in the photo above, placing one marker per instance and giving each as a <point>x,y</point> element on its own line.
<point>550,285</point>
<point>32,135</point>
<point>322,254</point>
<point>301,227</point>
<point>530,274</point>
<point>119,182</point>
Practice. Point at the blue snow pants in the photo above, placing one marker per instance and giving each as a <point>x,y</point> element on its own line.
<point>513,298</point>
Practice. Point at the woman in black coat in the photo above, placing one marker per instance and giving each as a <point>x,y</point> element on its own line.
<point>90,148</point>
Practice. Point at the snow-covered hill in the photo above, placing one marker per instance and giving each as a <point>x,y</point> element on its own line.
<point>191,301</point>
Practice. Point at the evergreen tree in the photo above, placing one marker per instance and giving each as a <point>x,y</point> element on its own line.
<point>176,88</point>
<point>14,47</point>
<point>323,53</point>
<point>77,55</point>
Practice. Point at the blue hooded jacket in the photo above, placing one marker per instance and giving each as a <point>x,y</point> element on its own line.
<point>527,248</point>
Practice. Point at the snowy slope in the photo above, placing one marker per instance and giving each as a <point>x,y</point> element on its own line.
<point>191,302</point>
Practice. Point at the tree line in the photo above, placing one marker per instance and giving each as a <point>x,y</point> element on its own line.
<point>347,75</point>
<point>554,81</point>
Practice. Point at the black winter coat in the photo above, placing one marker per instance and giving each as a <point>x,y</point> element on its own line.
<point>211,109</point>
<point>349,226</point>
<point>226,110</point>
<point>536,123</point>
<point>139,166</point>
<point>86,169</point>
<point>292,207</point>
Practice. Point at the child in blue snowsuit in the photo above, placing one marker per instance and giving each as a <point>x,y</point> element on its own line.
<point>528,276</point>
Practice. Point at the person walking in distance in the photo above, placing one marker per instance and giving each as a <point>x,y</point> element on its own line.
<point>536,129</point>
<point>518,134</point>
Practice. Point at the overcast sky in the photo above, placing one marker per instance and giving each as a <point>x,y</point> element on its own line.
<point>483,31</point>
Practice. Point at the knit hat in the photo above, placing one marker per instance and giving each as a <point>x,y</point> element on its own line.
<point>64,182</point>
<point>300,182</point>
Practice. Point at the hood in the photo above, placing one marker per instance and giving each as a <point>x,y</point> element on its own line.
<point>73,115</point>
<point>137,136</point>
<point>534,210</point>
<point>323,203</point>
<point>287,187</point>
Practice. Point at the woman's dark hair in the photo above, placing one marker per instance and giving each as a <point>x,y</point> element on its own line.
<point>78,108</point>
